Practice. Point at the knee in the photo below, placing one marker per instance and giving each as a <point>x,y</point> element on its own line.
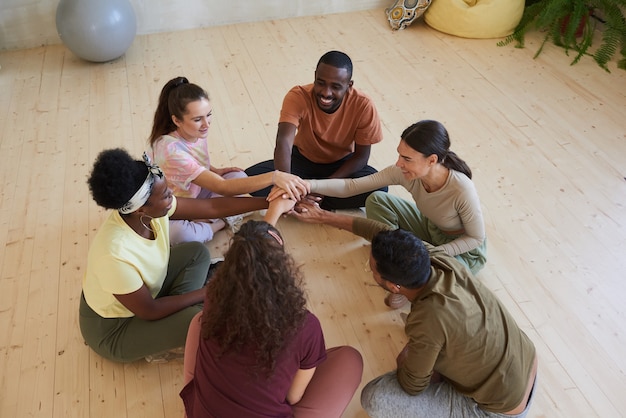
<point>198,249</point>
<point>348,357</point>
<point>369,399</point>
<point>185,231</point>
<point>377,395</point>
<point>260,168</point>
<point>375,198</point>
<point>194,251</point>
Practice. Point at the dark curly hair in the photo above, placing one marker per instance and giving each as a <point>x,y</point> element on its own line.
<point>255,300</point>
<point>401,258</point>
<point>173,100</point>
<point>337,59</point>
<point>115,178</point>
<point>430,137</point>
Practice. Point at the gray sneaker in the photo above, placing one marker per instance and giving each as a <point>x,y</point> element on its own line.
<point>235,221</point>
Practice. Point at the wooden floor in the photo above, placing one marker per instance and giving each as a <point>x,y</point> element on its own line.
<point>546,142</point>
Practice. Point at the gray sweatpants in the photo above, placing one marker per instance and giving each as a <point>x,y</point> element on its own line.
<point>384,397</point>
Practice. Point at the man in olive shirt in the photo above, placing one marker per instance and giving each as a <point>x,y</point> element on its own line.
<point>466,356</point>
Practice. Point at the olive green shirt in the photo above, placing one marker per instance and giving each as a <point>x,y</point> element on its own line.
<point>460,329</point>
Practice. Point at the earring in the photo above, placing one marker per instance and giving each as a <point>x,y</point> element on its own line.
<point>143,223</point>
<point>398,286</point>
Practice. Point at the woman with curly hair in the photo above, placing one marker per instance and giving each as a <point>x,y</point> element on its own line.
<point>179,144</point>
<point>256,351</point>
<point>139,294</point>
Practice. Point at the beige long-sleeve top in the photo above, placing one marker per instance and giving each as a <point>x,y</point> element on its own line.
<point>455,207</point>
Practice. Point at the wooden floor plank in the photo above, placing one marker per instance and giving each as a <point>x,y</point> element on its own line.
<point>21,208</point>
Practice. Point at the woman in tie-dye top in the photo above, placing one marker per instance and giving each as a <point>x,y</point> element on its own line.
<point>179,146</point>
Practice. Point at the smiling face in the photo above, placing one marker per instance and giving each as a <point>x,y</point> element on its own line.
<point>196,120</point>
<point>160,200</point>
<point>330,86</point>
<point>414,164</point>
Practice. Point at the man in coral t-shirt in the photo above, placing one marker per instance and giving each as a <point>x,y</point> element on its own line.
<point>326,130</point>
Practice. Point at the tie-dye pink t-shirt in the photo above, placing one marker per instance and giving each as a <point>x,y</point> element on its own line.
<point>181,161</point>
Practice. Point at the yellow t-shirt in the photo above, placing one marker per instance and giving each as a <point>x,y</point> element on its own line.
<point>120,262</point>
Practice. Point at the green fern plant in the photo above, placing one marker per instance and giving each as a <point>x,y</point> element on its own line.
<point>562,19</point>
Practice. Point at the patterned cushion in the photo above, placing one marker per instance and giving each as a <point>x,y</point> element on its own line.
<point>475,18</point>
<point>404,12</point>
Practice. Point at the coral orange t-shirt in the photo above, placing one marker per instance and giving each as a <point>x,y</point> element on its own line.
<point>325,138</point>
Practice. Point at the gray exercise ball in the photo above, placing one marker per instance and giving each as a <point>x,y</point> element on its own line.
<point>96,30</point>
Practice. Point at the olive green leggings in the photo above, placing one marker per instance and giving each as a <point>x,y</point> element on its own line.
<point>129,339</point>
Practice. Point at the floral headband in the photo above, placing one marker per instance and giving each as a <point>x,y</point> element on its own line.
<point>143,194</point>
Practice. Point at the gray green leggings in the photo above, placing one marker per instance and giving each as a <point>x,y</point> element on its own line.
<point>129,339</point>
<point>399,213</point>
<point>383,397</point>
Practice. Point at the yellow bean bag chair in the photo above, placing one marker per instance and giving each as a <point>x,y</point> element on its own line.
<point>475,18</point>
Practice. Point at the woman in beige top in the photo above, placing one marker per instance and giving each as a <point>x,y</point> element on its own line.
<point>445,211</point>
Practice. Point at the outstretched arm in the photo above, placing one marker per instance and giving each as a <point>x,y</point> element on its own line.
<point>300,382</point>
<point>144,306</point>
<point>217,207</point>
<point>309,211</point>
<point>293,185</point>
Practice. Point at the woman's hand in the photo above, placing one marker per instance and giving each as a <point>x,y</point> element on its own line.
<point>293,185</point>
<point>277,193</point>
<point>277,208</point>
<point>282,205</point>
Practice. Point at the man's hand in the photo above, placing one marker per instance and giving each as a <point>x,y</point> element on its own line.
<point>308,210</point>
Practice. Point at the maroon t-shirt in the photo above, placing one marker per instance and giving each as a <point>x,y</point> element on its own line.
<point>227,387</point>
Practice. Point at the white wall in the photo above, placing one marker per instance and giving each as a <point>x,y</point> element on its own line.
<point>31,23</point>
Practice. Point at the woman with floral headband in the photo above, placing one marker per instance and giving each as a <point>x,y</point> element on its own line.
<point>139,294</point>
<point>256,351</point>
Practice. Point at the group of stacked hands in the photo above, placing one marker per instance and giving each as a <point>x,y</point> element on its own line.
<point>251,347</point>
